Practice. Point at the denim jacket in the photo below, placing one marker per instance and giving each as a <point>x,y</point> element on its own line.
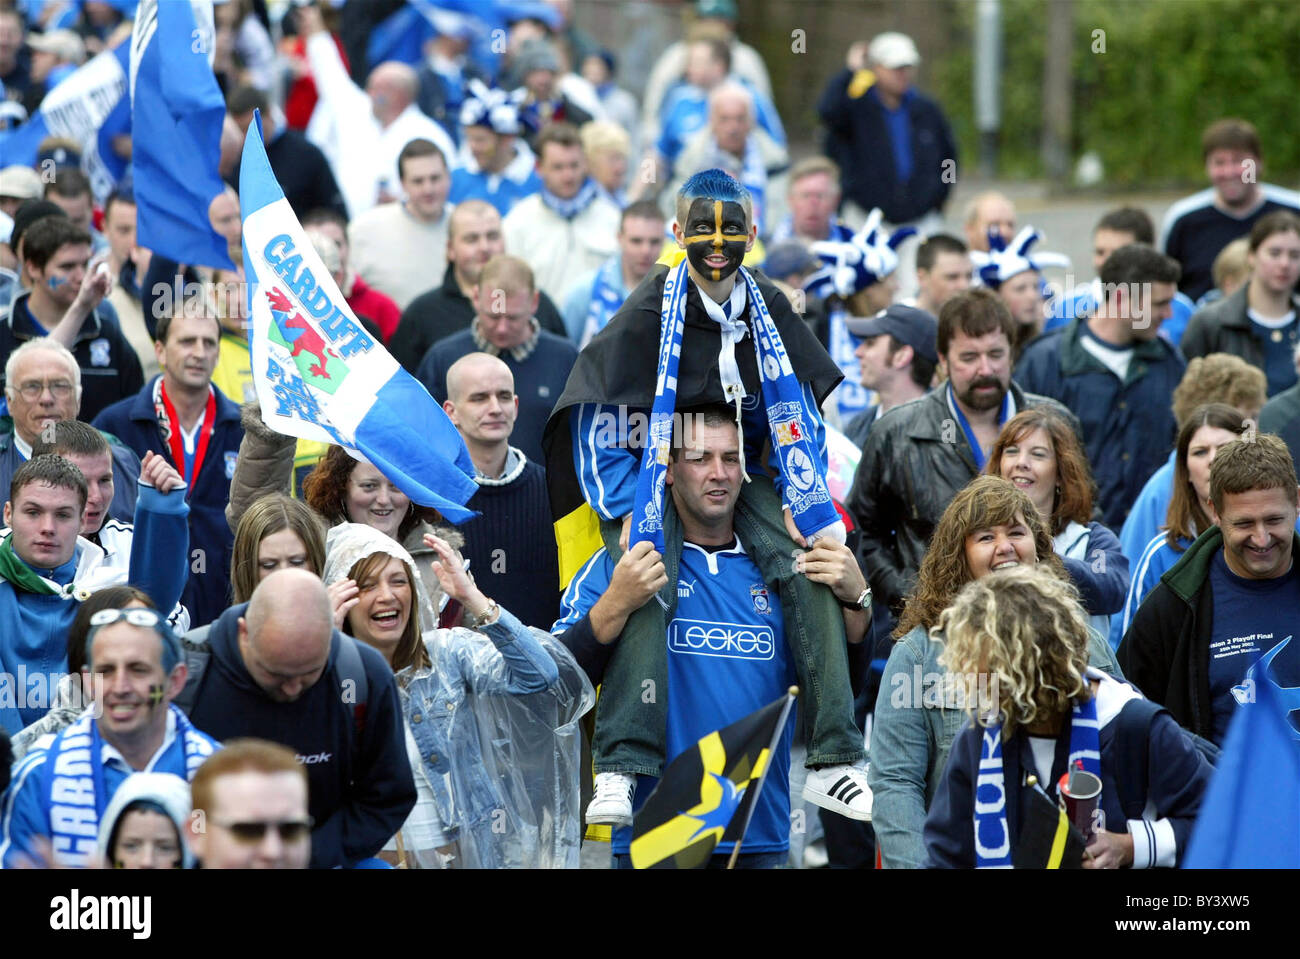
<point>910,740</point>
<point>480,716</point>
<point>916,722</point>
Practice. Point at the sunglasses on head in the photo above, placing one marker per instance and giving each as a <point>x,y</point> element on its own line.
<point>290,830</point>
<point>137,616</point>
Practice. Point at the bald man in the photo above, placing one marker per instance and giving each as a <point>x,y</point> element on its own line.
<point>520,568</point>
<point>990,210</point>
<point>473,237</point>
<point>505,325</point>
<point>361,132</point>
<point>278,669</point>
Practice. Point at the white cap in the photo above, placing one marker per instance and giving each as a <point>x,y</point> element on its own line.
<point>21,182</point>
<point>893,50</point>
<point>64,44</point>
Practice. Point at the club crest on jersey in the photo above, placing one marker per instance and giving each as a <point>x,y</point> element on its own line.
<point>99,355</point>
<point>762,601</point>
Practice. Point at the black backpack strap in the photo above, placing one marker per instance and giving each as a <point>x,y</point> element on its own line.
<point>351,669</point>
<point>198,654</point>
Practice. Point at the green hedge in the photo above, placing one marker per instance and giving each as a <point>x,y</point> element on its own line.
<point>1169,68</point>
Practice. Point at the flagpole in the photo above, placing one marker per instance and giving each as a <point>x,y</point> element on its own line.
<point>791,693</point>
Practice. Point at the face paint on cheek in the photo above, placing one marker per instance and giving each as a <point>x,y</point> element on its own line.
<point>155,696</point>
<point>716,228</point>
<point>55,282</point>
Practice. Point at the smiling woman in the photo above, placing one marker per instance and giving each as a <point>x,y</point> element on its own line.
<point>493,772</point>
<point>990,526</point>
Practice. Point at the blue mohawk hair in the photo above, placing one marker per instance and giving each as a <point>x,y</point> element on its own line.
<point>713,184</point>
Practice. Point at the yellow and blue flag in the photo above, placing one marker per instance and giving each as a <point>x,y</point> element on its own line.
<point>708,793</point>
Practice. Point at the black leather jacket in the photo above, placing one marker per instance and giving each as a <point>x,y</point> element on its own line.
<point>915,460</point>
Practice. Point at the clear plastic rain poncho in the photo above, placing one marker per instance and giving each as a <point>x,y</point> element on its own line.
<point>498,740</point>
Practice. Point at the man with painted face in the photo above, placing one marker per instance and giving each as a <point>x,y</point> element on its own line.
<point>714,326</point>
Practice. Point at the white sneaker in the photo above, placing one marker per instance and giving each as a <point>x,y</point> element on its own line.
<point>612,804</point>
<point>842,789</point>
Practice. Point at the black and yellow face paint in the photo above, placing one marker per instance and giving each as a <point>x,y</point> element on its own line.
<point>716,228</point>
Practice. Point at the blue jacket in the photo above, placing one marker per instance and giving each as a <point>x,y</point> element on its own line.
<point>126,471</point>
<point>1128,427</point>
<point>1150,511</point>
<point>360,788</point>
<point>134,422</point>
<point>34,628</point>
<point>1176,781</point>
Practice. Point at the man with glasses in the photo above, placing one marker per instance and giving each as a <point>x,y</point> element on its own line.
<point>250,808</point>
<point>42,387</point>
<point>135,664</point>
<point>63,299</point>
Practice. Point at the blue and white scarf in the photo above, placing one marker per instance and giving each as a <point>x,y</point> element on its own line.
<point>790,421</point>
<point>1007,411</point>
<point>992,837</point>
<point>607,295</point>
<point>75,794</point>
<point>571,207</point>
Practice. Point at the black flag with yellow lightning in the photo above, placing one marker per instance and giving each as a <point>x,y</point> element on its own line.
<point>708,793</point>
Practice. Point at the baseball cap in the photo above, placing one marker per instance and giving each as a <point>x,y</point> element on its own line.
<point>20,182</point>
<point>717,10</point>
<point>60,155</point>
<point>64,44</point>
<point>893,50</point>
<point>916,328</point>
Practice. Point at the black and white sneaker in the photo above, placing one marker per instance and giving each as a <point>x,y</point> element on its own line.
<point>842,789</point>
<point>612,804</point>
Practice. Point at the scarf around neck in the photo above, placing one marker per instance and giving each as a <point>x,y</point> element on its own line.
<point>75,793</point>
<point>992,837</point>
<point>790,421</point>
<point>27,579</point>
<point>570,208</point>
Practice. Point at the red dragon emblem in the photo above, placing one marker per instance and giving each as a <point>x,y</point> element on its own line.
<point>298,332</point>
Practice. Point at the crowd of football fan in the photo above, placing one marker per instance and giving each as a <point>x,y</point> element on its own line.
<point>223,645</point>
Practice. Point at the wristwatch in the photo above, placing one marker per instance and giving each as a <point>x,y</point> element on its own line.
<point>862,602</point>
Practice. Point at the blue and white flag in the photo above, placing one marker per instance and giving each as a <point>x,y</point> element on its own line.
<point>177,113</point>
<point>89,106</point>
<point>319,375</point>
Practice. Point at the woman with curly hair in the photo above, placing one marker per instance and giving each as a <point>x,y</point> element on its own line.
<point>1051,713</point>
<point>1042,456</point>
<point>989,526</point>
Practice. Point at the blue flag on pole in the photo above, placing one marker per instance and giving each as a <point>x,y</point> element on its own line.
<point>88,106</point>
<point>1250,818</point>
<point>177,113</point>
<point>319,375</point>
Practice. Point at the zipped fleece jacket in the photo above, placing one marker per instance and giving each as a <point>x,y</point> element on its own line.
<point>1166,651</point>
